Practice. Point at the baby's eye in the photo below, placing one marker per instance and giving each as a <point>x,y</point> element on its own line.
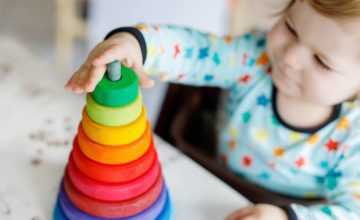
<point>321,63</point>
<point>290,29</point>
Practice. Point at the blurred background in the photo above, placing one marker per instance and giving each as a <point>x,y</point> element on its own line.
<point>42,43</point>
<point>62,32</point>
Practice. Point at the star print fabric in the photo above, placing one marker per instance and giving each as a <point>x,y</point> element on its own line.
<point>254,143</point>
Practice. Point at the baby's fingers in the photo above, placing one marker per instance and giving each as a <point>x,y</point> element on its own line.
<point>240,214</point>
<point>94,77</point>
<point>108,56</point>
<point>144,79</point>
<point>87,80</point>
<point>70,85</point>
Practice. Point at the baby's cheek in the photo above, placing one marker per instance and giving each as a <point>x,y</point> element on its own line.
<point>321,93</point>
<point>313,90</point>
<point>271,47</point>
<point>276,40</point>
<point>271,39</point>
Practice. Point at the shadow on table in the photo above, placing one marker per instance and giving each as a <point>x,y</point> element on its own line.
<point>45,180</point>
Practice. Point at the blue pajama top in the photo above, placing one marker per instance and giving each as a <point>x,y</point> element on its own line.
<point>255,142</point>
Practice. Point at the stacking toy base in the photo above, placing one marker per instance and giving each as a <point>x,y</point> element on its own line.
<point>165,212</point>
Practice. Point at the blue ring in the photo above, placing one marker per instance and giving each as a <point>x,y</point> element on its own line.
<point>153,212</point>
<point>58,212</point>
<point>166,213</point>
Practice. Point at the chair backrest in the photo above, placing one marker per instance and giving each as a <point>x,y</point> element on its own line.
<point>192,130</point>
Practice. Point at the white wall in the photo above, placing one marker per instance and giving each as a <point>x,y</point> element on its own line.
<point>105,15</point>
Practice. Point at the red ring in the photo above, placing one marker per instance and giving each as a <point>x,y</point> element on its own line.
<point>113,191</point>
<point>107,209</point>
<point>113,173</point>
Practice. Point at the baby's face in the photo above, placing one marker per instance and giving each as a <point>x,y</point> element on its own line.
<point>315,58</point>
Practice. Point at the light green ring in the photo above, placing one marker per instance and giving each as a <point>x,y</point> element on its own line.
<point>114,116</point>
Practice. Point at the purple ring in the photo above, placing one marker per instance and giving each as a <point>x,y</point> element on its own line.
<point>74,213</point>
<point>166,213</point>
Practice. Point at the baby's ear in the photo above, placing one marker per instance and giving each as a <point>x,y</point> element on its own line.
<point>354,97</point>
<point>357,95</point>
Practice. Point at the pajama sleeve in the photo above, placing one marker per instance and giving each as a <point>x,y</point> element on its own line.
<point>342,189</point>
<point>184,55</point>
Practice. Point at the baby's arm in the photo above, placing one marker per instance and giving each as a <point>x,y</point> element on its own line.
<point>189,56</point>
<point>180,55</point>
<point>343,189</point>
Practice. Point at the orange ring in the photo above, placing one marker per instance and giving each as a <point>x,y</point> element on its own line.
<point>114,135</point>
<point>113,173</point>
<point>114,154</point>
<point>117,209</point>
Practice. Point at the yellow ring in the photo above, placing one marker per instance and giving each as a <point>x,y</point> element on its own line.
<point>113,116</point>
<point>117,135</point>
<point>115,155</point>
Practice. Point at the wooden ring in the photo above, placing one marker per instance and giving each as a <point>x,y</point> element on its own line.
<point>117,93</point>
<point>113,116</point>
<point>113,173</point>
<point>150,213</point>
<point>115,154</point>
<point>114,135</point>
<point>58,213</point>
<point>167,212</point>
<point>106,209</point>
<point>113,191</point>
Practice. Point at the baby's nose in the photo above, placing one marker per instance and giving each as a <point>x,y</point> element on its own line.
<point>294,56</point>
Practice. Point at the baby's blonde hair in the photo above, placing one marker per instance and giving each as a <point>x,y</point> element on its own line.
<point>337,9</point>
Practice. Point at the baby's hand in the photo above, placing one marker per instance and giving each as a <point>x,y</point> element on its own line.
<point>121,46</point>
<point>259,212</point>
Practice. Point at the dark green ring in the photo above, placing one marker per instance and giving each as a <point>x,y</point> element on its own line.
<point>117,93</point>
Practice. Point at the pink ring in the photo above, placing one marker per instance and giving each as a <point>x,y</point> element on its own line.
<point>108,209</point>
<point>113,191</point>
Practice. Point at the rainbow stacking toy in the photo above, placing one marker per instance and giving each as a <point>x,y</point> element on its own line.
<point>113,170</point>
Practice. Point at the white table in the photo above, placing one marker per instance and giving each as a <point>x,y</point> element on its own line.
<point>38,121</point>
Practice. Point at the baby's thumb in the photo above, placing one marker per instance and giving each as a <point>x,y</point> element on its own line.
<point>144,79</point>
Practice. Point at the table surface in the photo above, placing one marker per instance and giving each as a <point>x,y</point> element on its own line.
<point>38,120</point>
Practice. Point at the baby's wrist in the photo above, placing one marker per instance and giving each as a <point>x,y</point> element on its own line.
<point>290,213</point>
<point>132,36</point>
<point>121,37</point>
<point>132,43</point>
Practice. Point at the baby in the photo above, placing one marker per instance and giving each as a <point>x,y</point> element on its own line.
<point>292,117</point>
